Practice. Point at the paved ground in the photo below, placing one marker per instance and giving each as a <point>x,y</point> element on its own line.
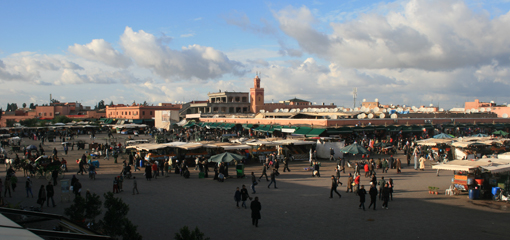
<point>299,209</point>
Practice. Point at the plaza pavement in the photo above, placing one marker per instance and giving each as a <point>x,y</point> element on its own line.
<point>299,209</point>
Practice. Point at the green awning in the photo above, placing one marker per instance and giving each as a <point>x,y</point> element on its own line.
<point>275,128</point>
<point>260,127</point>
<point>361,129</point>
<point>315,132</point>
<point>138,121</point>
<point>336,131</point>
<point>302,130</point>
<point>265,128</point>
<point>228,126</point>
<point>247,126</point>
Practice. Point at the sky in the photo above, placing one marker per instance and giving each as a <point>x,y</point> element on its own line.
<point>412,52</point>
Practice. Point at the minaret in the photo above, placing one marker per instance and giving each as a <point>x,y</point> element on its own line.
<point>256,96</point>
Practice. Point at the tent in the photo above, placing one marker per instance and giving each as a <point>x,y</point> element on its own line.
<point>354,148</point>
<point>442,136</point>
<point>225,157</point>
<point>500,132</point>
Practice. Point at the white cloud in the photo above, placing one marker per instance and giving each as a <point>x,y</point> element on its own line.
<point>192,62</point>
<point>430,35</point>
<point>187,35</point>
<point>101,51</point>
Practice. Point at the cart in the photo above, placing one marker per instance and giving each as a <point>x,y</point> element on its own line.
<point>44,167</point>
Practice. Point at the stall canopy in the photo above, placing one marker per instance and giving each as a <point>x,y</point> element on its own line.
<point>442,136</point>
<point>302,131</point>
<point>493,165</point>
<point>315,132</point>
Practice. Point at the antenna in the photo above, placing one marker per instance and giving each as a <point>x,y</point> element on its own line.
<point>354,95</point>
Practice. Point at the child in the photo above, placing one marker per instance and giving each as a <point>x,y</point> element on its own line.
<point>361,194</point>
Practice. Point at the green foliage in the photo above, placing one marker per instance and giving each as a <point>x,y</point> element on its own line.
<point>24,105</point>
<point>10,122</point>
<point>55,101</point>
<point>29,122</point>
<point>76,212</point>
<point>115,223</point>
<point>32,106</point>
<point>61,119</point>
<point>185,234</point>
<point>93,206</point>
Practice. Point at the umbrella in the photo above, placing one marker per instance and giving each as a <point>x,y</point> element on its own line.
<point>59,124</point>
<point>31,147</point>
<point>500,132</point>
<point>225,157</point>
<point>479,135</point>
<point>354,148</point>
<point>442,136</point>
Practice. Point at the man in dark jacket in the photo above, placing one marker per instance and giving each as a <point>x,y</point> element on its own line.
<point>373,195</point>
<point>316,170</point>
<point>334,185</point>
<point>273,179</point>
<point>286,164</point>
<point>386,195</point>
<point>50,192</point>
<point>349,183</point>
<point>255,207</point>
<point>264,173</point>
<point>361,194</point>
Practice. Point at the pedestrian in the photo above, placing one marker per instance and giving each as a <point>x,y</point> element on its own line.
<point>77,188</point>
<point>350,181</point>
<point>244,196</point>
<point>337,172</point>
<point>41,197</point>
<point>14,181</point>
<point>331,154</point>
<point>381,184</point>
<point>135,186</point>
<point>273,179</point>
<point>148,172</point>
<point>155,170</point>
<point>385,165</point>
<point>237,197</point>
<point>361,194</point>
<point>334,185</point>
<point>390,185</point>
<point>286,164</point>
<point>253,182</point>
<point>316,170</point>
<point>115,185</point>
<point>255,207</point>
<point>357,180</point>
<point>50,192</point>
<point>386,195</point>
<point>415,154</point>
<point>398,165</point>
<point>28,187</point>
<point>422,163</point>
<point>54,175</point>
<point>373,195</point>
<point>264,173</point>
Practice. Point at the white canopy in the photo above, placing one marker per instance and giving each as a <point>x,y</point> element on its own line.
<point>494,165</point>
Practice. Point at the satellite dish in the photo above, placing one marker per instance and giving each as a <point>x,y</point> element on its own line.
<point>382,115</point>
<point>350,110</point>
<point>441,109</point>
<point>394,116</point>
<point>370,116</point>
<point>286,110</point>
<point>359,116</point>
<point>363,115</point>
<point>362,108</point>
<point>276,110</point>
<point>384,110</point>
<point>476,111</point>
<point>298,110</point>
<point>468,111</point>
<point>336,109</point>
<point>356,109</point>
<point>345,110</point>
<point>400,109</point>
<point>376,109</point>
<point>293,110</point>
<point>473,110</point>
<point>304,110</point>
<point>482,109</point>
<point>505,115</point>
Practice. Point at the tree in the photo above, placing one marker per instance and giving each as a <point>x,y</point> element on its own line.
<point>24,105</point>
<point>29,122</point>
<point>76,212</point>
<point>10,122</point>
<point>111,104</point>
<point>185,234</point>
<point>32,106</point>
<point>54,101</point>
<point>1,112</point>
<point>115,223</point>
<point>61,119</point>
<point>84,210</point>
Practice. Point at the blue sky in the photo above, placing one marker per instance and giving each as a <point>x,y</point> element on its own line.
<point>413,52</point>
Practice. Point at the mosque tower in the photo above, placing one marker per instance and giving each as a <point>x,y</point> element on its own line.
<point>256,96</point>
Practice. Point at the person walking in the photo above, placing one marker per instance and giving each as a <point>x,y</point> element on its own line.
<point>373,195</point>
<point>135,186</point>
<point>264,173</point>
<point>398,165</point>
<point>386,195</point>
<point>41,197</point>
<point>115,185</point>
<point>384,166</point>
<point>422,163</point>
<point>350,180</point>
<point>357,181</point>
<point>54,176</point>
<point>28,187</point>
<point>148,172</point>
<point>244,196</point>
<point>273,179</point>
<point>316,170</point>
<point>381,184</point>
<point>76,188</point>
<point>334,185</point>
<point>253,182</point>
<point>331,154</point>
<point>390,185</point>
<point>50,192</point>
<point>416,152</point>
<point>361,193</point>
<point>286,164</point>
<point>255,207</point>
<point>237,197</point>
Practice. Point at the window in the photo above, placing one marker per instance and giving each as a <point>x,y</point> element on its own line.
<point>143,112</point>
<point>45,114</point>
<point>150,113</point>
<point>129,112</point>
<point>50,114</point>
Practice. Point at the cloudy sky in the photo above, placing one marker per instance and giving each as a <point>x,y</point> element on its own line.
<point>413,52</point>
